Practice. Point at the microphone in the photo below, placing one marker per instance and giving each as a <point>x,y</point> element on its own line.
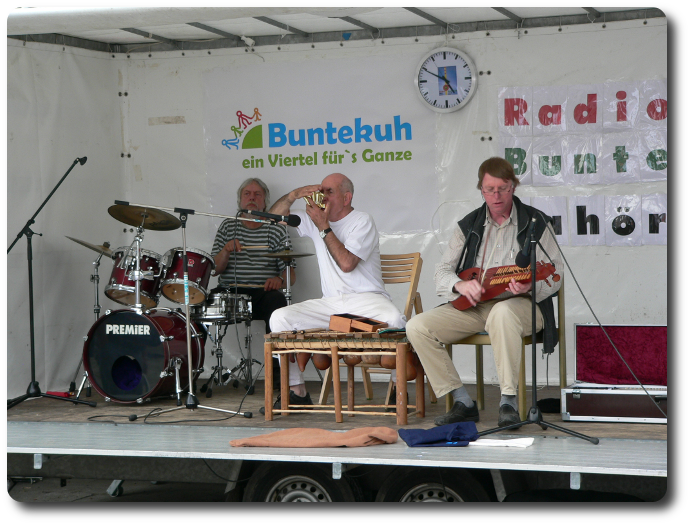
<point>82,160</point>
<point>291,220</point>
<point>523,258</point>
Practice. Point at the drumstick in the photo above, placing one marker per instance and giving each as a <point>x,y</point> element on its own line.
<point>255,247</point>
<point>242,285</point>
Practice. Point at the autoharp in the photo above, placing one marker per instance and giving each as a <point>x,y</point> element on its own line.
<point>495,280</point>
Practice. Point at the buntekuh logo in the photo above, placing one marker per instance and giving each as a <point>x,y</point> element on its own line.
<point>250,135</point>
<point>253,138</point>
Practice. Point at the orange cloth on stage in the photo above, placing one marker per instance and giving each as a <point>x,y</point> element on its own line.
<point>320,438</point>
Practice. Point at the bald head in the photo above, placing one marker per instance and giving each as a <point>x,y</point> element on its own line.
<point>338,190</point>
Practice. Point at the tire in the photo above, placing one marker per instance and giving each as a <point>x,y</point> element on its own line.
<point>431,484</point>
<point>299,482</point>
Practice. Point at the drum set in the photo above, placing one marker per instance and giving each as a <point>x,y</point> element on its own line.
<point>134,354</point>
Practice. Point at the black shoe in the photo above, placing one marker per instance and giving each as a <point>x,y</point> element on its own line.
<point>294,399</point>
<point>458,414</point>
<point>507,415</point>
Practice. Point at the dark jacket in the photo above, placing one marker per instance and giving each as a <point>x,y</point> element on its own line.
<point>472,226</point>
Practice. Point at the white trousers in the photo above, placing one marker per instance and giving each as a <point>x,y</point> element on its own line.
<point>316,313</point>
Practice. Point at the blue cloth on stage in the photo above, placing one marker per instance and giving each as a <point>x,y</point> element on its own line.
<point>452,435</point>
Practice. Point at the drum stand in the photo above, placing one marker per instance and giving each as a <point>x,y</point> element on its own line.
<point>221,374</point>
<point>244,368</point>
<point>95,279</point>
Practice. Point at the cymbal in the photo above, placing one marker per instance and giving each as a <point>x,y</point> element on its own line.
<point>103,249</point>
<point>287,255</point>
<point>147,218</point>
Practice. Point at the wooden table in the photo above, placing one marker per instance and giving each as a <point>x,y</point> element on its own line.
<point>338,344</point>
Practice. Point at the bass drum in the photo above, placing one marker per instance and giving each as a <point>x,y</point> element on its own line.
<point>126,352</point>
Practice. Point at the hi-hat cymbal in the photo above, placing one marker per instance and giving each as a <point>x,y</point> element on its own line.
<point>103,249</point>
<point>147,218</point>
<point>287,255</point>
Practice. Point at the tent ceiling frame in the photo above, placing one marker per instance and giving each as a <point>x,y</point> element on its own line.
<point>296,36</point>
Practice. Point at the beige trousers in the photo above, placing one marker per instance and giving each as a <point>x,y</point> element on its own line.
<point>506,321</point>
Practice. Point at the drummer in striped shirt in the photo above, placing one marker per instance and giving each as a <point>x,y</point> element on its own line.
<point>245,270</point>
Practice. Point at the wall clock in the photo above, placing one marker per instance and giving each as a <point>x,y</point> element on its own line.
<point>445,79</point>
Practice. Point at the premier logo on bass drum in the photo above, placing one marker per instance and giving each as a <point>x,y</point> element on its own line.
<point>127,329</point>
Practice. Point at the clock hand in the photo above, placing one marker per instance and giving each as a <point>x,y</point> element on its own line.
<point>442,78</point>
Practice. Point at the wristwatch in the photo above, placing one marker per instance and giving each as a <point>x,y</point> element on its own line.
<point>325,232</point>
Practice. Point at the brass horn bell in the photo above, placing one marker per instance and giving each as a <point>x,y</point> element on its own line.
<point>317,198</point>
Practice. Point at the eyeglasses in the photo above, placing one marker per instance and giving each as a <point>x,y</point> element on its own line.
<point>500,191</point>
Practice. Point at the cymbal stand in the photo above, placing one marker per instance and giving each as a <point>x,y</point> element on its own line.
<point>137,275</point>
<point>192,402</point>
<point>95,279</point>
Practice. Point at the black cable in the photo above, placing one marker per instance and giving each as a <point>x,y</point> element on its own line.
<point>602,327</point>
<point>221,477</point>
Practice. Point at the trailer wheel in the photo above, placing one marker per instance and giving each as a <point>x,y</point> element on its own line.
<point>427,485</point>
<point>298,482</point>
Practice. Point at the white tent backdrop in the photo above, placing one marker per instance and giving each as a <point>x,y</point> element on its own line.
<point>140,122</point>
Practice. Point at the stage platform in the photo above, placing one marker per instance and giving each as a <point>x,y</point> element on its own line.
<point>49,427</point>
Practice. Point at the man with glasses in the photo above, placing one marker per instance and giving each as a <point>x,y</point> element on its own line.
<point>490,236</point>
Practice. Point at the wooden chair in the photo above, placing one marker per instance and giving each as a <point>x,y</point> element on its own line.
<point>396,269</point>
<point>481,339</point>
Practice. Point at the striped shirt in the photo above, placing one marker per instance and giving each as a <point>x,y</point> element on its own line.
<point>250,266</point>
<point>499,247</point>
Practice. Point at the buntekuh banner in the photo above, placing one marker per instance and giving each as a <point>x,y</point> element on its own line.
<point>291,124</point>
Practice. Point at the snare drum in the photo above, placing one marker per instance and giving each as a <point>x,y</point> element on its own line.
<point>122,289</point>
<point>199,267</point>
<point>125,354</point>
<point>224,307</point>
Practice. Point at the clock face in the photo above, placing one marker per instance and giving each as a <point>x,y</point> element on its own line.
<point>446,79</point>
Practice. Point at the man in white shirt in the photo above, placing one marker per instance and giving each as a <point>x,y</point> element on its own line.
<point>347,249</point>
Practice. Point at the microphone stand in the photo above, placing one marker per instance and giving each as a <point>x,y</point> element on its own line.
<point>192,402</point>
<point>34,390</point>
<point>534,416</point>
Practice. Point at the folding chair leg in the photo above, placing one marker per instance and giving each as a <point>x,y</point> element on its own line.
<point>479,357</point>
<point>366,379</point>
<point>326,386</point>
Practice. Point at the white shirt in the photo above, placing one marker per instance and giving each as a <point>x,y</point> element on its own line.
<point>358,233</point>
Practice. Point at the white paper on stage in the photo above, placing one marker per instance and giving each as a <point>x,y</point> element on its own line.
<point>620,158</point>
<point>582,154</point>
<point>653,105</point>
<point>515,111</point>
<point>585,108</point>
<point>623,218</point>
<point>653,148</point>
<point>621,105</point>
<point>548,161</point>
<point>518,151</point>
<point>292,126</point>
<point>550,110</point>
<point>654,219</point>
<point>557,208</point>
<point>586,217</point>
